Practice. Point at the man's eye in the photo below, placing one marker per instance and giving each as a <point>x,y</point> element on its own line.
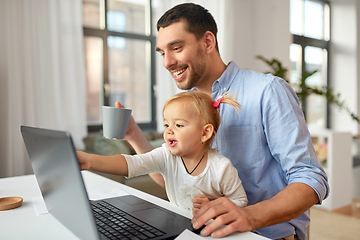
<point>177,48</point>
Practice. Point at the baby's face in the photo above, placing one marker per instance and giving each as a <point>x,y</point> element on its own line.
<point>183,129</point>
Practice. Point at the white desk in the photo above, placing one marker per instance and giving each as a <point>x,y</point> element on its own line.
<point>23,223</point>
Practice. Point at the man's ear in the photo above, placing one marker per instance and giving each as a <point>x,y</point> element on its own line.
<point>210,41</point>
<point>208,132</point>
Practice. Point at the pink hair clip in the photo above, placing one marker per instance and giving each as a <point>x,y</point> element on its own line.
<point>216,104</point>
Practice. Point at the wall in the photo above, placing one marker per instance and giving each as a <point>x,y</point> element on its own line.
<point>258,28</point>
<point>344,63</point>
<point>358,64</point>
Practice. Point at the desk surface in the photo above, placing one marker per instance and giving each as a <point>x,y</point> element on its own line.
<point>23,223</point>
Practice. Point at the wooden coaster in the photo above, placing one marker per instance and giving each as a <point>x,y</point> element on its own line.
<point>8,203</point>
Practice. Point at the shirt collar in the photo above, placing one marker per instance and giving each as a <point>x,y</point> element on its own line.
<point>223,84</point>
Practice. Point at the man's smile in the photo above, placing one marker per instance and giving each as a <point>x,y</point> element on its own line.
<point>178,74</point>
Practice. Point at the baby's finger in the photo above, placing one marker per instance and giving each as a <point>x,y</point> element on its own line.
<point>197,205</point>
<point>195,210</point>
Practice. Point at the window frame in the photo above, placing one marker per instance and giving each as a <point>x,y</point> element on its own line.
<point>318,43</point>
<point>104,34</point>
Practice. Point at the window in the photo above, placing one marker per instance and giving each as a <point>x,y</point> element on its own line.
<point>119,57</point>
<point>309,24</point>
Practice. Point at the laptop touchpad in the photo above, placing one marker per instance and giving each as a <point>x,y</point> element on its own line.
<point>154,214</point>
<point>131,200</point>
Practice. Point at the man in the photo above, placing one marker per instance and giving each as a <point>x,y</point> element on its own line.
<point>269,143</point>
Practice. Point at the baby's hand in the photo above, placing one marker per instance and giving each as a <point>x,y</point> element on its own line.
<point>84,160</point>
<point>198,202</point>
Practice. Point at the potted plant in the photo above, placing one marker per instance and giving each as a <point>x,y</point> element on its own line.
<point>302,90</point>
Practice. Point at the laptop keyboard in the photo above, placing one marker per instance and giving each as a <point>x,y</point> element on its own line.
<point>117,224</point>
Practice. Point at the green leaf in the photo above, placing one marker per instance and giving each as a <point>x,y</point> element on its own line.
<point>302,90</point>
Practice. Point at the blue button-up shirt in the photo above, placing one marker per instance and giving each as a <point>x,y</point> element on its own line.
<point>269,142</point>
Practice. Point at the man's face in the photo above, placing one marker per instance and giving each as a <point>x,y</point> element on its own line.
<point>183,55</point>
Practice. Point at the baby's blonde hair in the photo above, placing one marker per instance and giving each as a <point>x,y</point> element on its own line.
<point>205,106</point>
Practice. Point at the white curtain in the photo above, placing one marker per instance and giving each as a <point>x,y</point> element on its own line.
<point>165,84</point>
<point>42,75</point>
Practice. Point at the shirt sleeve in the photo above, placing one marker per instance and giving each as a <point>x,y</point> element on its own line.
<point>153,161</point>
<point>289,139</point>
<point>230,183</point>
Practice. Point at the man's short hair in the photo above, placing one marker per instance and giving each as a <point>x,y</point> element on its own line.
<point>197,20</point>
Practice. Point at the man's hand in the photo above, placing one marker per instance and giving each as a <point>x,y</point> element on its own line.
<point>133,128</point>
<point>224,212</point>
<point>199,201</point>
<point>287,204</point>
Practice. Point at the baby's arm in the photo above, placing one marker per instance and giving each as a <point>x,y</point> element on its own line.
<point>115,164</point>
<point>235,191</point>
<point>231,185</point>
<point>239,197</point>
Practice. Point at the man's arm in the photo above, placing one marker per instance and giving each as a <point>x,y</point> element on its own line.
<point>138,141</point>
<point>289,203</point>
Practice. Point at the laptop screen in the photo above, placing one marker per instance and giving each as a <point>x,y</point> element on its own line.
<point>57,171</point>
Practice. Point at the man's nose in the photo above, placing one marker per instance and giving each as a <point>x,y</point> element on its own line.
<point>169,60</point>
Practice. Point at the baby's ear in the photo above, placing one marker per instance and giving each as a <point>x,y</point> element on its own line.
<point>208,131</point>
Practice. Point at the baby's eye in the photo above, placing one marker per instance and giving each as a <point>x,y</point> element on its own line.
<point>166,125</point>
<point>179,125</point>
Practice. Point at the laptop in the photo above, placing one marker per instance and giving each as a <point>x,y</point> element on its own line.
<point>53,158</point>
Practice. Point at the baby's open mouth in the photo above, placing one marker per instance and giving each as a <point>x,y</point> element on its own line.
<point>172,142</point>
